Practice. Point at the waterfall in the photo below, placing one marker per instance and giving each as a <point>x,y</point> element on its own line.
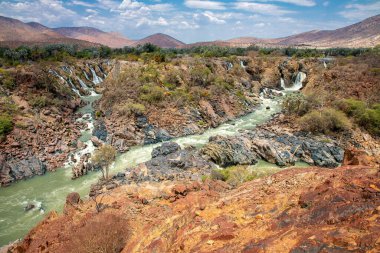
<point>297,85</point>
<point>282,83</point>
<point>67,69</point>
<point>229,66</point>
<point>73,88</point>
<point>85,75</point>
<point>324,64</point>
<point>82,84</point>
<point>242,64</point>
<point>96,79</point>
<point>51,71</point>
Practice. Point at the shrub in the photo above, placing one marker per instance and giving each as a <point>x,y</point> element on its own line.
<point>104,233</point>
<point>366,117</point>
<point>38,101</point>
<point>201,75</point>
<point>234,175</point>
<point>299,104</point>
<point>325,121</point>
<point>131,108</point>
<point>6,125</point>
<point>151,93</point>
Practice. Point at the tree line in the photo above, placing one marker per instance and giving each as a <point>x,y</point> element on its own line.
<point>63,51</point>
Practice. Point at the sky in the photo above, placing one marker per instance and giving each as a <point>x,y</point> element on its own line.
<point>194,20</point>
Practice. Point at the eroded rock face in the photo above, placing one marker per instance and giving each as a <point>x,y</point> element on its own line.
<point>296,210</point>
<point>18,169</point>
<point>280,149</point>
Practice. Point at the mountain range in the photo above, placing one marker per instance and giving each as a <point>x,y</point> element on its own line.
<point>14,32</point>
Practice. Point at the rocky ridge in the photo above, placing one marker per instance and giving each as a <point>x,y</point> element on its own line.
<point>290,211</point>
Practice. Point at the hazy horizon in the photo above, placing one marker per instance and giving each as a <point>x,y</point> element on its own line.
<point>195,20</point>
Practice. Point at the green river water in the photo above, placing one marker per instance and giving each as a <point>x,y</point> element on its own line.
<point>49,191</point>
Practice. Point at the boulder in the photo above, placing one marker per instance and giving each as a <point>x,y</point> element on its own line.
<point>100,130</point>
<point>356,157</point>
<point>73,198</point>
<point>165,149</point>
<point>228,151</point>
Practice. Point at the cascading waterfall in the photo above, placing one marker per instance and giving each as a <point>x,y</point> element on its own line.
<point>242,64</point>
<point>96,78</point>
<point>82,84</point>
<point>229,66</point>
<point>73,88</point>
<point>297,85</point>
<point>324,64</point>
<point>85,75</point>
<point>282,83</point>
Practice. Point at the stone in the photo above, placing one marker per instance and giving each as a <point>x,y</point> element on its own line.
<point>165,149</point>
<point>73,198</point>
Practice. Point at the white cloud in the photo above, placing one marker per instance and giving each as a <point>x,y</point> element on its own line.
<point>43,11</point>
<point>265,9</point>
<point>213,18</point>
<point>81,3</point>
<point>360,11</point>
<point>308,3</point>
<point>208,5</point>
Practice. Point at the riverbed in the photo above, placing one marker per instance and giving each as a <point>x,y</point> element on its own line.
<point>48,192</point>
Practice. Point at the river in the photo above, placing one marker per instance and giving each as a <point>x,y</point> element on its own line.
<point>48,192</point>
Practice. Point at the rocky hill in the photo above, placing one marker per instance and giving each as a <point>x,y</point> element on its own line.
<point>363,34</point>
<point>113,40</point>
<point>161,40</point>
<point>14,33</point>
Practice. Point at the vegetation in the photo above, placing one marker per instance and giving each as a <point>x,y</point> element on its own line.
<point>6,125</point>
<point>104,157</point>
<point>147,52</point>
<point>234,175</point>
<point>130,108</point>
<point>366,116</point>
<point>325,121</point>
<point>103,233</point>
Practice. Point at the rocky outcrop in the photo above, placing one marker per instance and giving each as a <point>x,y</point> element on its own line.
<point>100,130</point>
<point>281,149</point>
<point>296,210</point>
<point>17,169</point>
<point>169,163</point>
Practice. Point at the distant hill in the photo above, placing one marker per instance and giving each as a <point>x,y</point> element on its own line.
<point>363,34</point>
<point>114,40</point>
<point>161,40</point>
<point>14,33</point>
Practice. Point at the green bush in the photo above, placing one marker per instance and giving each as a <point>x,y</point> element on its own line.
<point>325,121</point>
<point>234,175</point>
<point>131,108</point>
<point>201,75</point>
<point>299,104</point>
<point>39,101</point>
<point>367,117</point>
<point>6,125</point>
<point>151,93</point>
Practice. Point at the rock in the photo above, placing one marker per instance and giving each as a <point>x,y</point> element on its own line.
<point>73,198</point>
<point>356,157</point>
<point>165,149</point>
<point>228,151</point>
<point>155,135</point>
<point>180,189</point>
<point>100,130</point>
<point>95,140</point>
<point>29,207</point>
<point>17,169</point>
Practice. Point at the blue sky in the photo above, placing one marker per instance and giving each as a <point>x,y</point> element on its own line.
<point>195,20</point>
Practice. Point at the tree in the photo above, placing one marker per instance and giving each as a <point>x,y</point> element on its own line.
<point>104,157</point>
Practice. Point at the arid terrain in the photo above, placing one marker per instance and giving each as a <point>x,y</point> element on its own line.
<point>110,144</point>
